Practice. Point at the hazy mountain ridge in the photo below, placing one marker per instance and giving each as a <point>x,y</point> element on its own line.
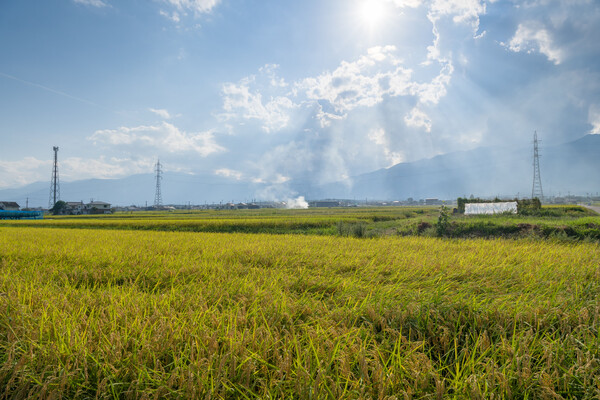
<point>571,167</point>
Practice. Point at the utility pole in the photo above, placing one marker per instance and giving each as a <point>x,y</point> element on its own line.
<point>54,183</point>
<point>536,190</point>
<point>158,195</point>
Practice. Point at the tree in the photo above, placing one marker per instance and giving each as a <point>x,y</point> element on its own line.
<point>59,208</point>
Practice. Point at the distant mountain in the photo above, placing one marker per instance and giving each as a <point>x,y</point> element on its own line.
<point>571,167</point>
<point>176,188</point>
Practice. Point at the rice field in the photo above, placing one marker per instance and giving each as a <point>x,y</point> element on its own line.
<point>119,314</point>
<point>556,222</point>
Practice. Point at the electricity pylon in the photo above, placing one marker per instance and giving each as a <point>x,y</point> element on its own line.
<point>54,183</point>
<point>536,190</point>
<point>158,195</point>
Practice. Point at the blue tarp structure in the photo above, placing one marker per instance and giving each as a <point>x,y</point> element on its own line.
<point>21,214</point>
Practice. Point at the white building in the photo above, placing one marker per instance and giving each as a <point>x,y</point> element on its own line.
<point>98,207</point>
<point>75,207</point>
<point>9,206</point>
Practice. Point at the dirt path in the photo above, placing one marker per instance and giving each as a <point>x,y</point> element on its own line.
<point>594,208</point>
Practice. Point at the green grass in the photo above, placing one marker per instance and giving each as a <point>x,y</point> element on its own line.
<point>129,314</point>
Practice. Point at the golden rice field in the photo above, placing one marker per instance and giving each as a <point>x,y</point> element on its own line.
<point>144,314</point>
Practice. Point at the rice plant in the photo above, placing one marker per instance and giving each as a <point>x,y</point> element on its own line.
<point>130,314</point>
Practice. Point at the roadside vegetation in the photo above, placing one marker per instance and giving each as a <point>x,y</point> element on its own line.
<point>99,313</point>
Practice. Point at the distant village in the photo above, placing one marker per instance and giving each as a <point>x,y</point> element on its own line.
<point>68,207</point>
<point>101,207</point>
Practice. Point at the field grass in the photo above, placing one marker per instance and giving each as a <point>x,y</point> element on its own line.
<point>273,221</point>
<point>558,222</point>
<point>128,314</point>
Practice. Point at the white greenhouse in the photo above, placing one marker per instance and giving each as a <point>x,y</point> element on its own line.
<point>491,208</point>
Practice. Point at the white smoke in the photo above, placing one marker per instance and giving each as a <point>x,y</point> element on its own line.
<point>298,202</point>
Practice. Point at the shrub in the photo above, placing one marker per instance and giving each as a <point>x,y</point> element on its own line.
<point>442,224</point>
<point>422,227</point>
<point>356,229</point>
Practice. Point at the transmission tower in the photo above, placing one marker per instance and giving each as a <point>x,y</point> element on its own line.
<point>54,184</point>
<point>536,190</point>
<point>158,195</point>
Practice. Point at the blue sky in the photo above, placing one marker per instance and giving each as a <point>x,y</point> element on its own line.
<point>270,91</point>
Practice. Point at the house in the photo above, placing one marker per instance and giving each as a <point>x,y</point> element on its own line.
<point>98,207</point>
<point>433,202</point>
<point>75,208</point>
<point>9,206</point>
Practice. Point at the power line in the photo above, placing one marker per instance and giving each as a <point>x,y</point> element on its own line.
<point>54,183</point>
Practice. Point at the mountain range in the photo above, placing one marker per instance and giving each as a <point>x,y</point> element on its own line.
<point>486,171</point>
<point>572,167</point>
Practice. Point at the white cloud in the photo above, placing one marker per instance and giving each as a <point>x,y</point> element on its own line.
<point>240,101</point>
<point>22,172</point>
<point>418,119</point>
<point>165,137</point>
<point>531,37</point>
<point>229,173</point>
<point>379,137</point>
<point>198,7</point>
<point>270,70</point>
<point>279,178</point>
<point>161,113</point>
<point>368,81</point>
<point>432,92</point>
<point>30,169</point>
<point>466,12</point>
<point>332,95</point>
<point>174,16</point>
<point>463,11</point>
<point>93,3</point>
<point>594,119</point>
<point>363,82</point>
<point>326,118</point>
<point>76,168</point>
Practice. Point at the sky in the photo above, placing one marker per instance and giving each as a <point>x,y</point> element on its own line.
<point>269,91</point>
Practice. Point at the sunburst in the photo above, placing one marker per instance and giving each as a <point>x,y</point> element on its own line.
<point>371,13</point>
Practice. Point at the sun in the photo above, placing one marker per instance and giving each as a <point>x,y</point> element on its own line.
<point>371,13</point>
